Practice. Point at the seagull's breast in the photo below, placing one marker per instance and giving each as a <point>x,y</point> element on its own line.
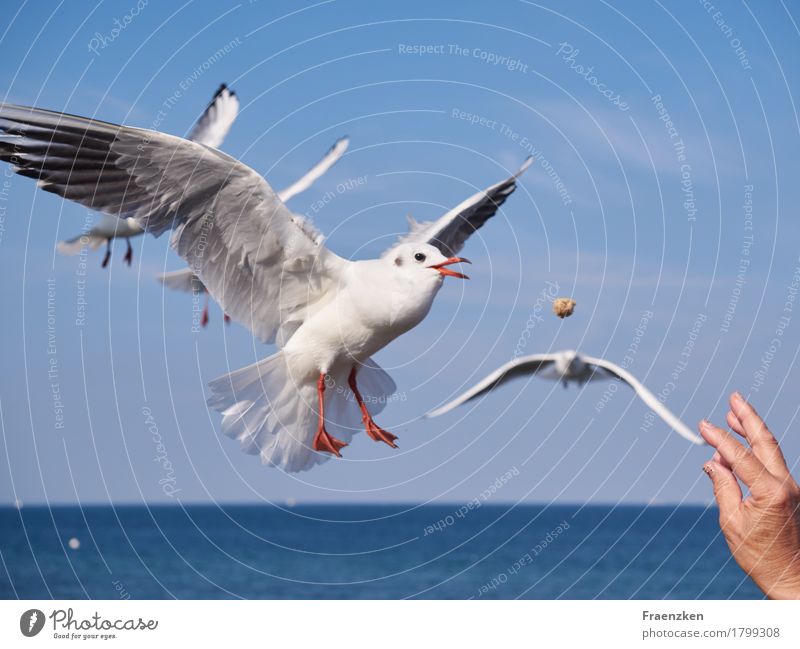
<point>371,308</point>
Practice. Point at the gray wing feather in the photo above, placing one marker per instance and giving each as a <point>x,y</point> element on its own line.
<point>263,264</point>
<point>449,232</point>
<point>217,119</point>
<point>648,397</point>
<point>518,367</point>
<point>183,280</point>
<point>316,172</point>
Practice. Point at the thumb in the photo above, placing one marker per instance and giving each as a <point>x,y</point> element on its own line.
<point>727,491</point>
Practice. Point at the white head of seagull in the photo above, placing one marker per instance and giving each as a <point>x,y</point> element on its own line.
<point>265,266</point>
<point>419,259</point>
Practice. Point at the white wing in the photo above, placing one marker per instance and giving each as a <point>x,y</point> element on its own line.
<point>183,280</point>
<point>217,119</point>
<point>449,232</point>
<point>260,262</point>
<point>518,367</point>
<point>76,244</point>
<point>648,397</point>
<point>186,281</point>
<point>210,129</point>
<point>312,175</point>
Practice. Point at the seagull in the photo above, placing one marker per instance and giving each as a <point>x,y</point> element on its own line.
<point>186,281</point>
<point>210,129</point>
<point>266,266</point>
<point>569,366</point>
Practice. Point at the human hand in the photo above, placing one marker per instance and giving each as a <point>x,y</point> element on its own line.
<point>762,530</point>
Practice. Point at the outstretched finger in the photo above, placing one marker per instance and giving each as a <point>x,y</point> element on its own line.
<point>755,431</point>
<point>727,491</point>
<point>735,425</point>
<point>718,458</point>
<point>747,467</point>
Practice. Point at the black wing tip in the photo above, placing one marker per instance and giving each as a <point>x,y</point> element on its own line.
<point>222,88</point>
<point>342,141</point>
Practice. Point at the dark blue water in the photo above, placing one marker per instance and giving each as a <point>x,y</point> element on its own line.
<point>491,552</point>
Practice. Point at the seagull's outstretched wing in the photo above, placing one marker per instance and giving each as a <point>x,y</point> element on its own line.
<point>449,232</point>
<point>217,119</point>
<point>518,367</point>
<point>648,397</point>
<point>186,281</point>
<point>210,129</point>
<point>261,263</point>
<point>315,173</point>
<point>183,280</point>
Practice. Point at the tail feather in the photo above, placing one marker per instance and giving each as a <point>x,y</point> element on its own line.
<point>270,408</point>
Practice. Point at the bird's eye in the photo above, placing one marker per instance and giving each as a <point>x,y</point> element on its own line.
<point>419,256</point>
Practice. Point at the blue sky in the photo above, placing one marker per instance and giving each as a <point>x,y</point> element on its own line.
<point>644,226</point>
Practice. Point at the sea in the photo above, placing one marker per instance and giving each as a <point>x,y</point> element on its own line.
<point>459,551</point>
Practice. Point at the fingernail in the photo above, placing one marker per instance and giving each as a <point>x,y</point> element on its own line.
<point>738,396</point>
<point>708,469</point>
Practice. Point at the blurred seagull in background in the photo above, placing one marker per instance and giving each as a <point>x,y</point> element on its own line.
<point>265,266</point>
<point>569,366</point>
<point>210,129</point>
<point>186,281</point>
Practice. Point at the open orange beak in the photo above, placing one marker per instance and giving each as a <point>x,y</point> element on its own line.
<point>447,262</point>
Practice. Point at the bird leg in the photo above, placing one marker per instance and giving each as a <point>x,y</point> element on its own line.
<point>204,317</point>
<point>129,252</point>
<point>107,258</point>
<point>373,430</point>
<point>323,440</point>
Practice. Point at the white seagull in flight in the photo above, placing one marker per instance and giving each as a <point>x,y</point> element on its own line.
<point>265,266</point>
<point>186,281</point>
<point>568,366</point>
<point>210,129</point>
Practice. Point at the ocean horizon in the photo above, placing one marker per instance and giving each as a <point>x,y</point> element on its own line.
<point>367,551</point>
